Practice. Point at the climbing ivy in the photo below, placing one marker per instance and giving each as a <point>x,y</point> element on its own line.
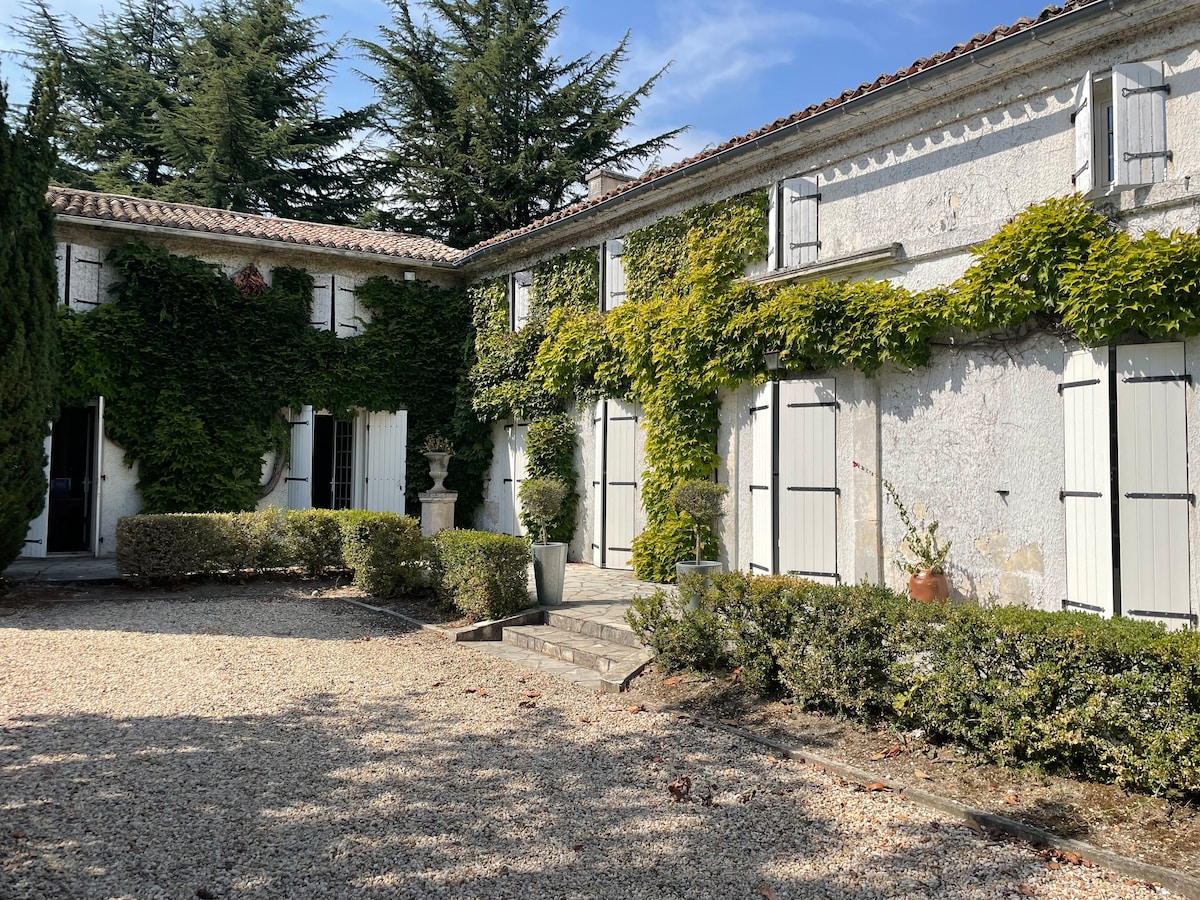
<point>550,448</point>
<point>195,374</point>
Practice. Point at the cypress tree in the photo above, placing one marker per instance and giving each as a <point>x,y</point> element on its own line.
<point>28,323</point>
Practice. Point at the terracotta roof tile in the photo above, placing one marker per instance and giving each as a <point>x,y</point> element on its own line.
<point>979,40</point>
<point>140,211</point>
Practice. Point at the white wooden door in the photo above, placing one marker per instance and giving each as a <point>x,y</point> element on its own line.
<point>299,477</point>
<point>1087,485</point>
<point>808,491</point>
<point>762,479</point>
<point>97,498</point>
<point>622,501</point>
<point>386,462</point>
<point>598,439</point>
<point>518,432</point>
<point>503,482</point>
<point>39,528</point>
<point>1152,475</point>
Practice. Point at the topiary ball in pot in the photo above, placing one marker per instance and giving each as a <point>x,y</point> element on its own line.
<point>542,500</point>
<point>703,502</point>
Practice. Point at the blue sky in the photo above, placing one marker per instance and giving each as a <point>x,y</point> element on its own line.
<point>735,64</point>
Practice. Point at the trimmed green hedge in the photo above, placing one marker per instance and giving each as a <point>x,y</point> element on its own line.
<point>483,575</point>
<point>1108,700</point>
<point>384,550</point>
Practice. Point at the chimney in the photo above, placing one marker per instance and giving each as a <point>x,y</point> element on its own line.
<point>601,181</point>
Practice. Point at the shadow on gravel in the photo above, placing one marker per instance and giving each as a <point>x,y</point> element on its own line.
<point>402,798</point>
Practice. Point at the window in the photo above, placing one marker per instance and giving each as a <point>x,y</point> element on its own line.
<point>518,300</point>
<point>1121,128</point>
<point>78,276</point>
<point>792,223</point>
<point>335,306</point>
<point>612,274</point>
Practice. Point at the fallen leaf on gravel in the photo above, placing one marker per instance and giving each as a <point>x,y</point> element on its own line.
<point>973,826</point>
<point>641,707</point>
<point>1053,866</point>
<point>765,890</point>
<point>437,684</point>
<point>673,681</point>
<point>877,757</point>
<point>877,786</point>
<point>1026,891</point>
<point>819,768</point>
<point>585,721</point>
<point>17,835</point>
<point>1011,799</point>
<point>654,758</point>
<point>577,847</point>
<point>534,694</point>
<point>482,693</point>
<point>921,774</point>
<point>1072,857</point>
<point>527,704</point>
<point>680,788</point>
<point>469,691</point>
<point>893,751</point>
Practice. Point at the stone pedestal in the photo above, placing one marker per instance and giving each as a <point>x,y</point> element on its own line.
<point>437,511</point>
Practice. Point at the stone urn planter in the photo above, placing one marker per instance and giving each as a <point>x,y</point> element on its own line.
<point>439,465</point>
<point>928,586</point>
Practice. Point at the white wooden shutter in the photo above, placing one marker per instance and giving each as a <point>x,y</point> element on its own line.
<point>97,498</point>
<point>62,262</point>
<point>614,273</point>
<point>299,476</point>
<point>519,286</point>
<point>598,475</point>
<point>387,461</point>
<point>348,312</point>
<point>1087,485</point>
<point>39,528</point>
<point>504,455</point>
<point>322,301</point>
<point>808,491</point>
<point>762,480</point>
<point>1084,178</point>
<point>622,486</point>
<point>1139,124</point>
<point>774,260</point>
<point>83,278</point>
<point>1152,474</point>
<point>519,467</point>
<point>798,203</point>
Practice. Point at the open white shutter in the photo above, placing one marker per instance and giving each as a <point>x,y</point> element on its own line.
<point>299,476</point>
<point>387,457</point>
<point>798,203</point>
<point>808,491</point>
<point>503,451</point>
<point>98,478</point>
<point>519,287</point>
<point>1152,474</point>
<point>1084,178</point>
<point>1139,124</point>
<point>762,480</point>
<point>622,499</point>
<point>598,475</point>
<point>614,273</point>
<point>322,301</point>
<point>83,278</point>
<point>774,260</point>
<point>519,467</point>
<point>39,528</point>
<point>62,262</point>
<point>1087,486</point>
<point>347,311</point>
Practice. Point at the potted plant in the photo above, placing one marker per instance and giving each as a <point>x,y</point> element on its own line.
<point>542,500</point>
<point>703,502</point>
<point>927,579</point>
<point>438,450</point>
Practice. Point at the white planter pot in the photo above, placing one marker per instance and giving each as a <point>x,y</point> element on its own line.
<point>704,569</point>
<point>549,572</point>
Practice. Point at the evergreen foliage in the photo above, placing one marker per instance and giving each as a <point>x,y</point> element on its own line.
<point>485,129</point>
<point>218,105</point>
<point>28,329</point>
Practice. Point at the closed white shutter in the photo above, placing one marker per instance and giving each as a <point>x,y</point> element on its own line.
<point>387,458</point>
<point>1084,178</point>
<point>1152,474</point>
<point>98,484</point>
<point>62,262</point>
<point>808,490</point>
<point>347,310</point>
<point>774,260</point>
<point>614,273</point>
<point>39,528</point>
<point>519,467</point>
<point>322,301</point>
<point>519,286</point>
<point>299,476</point>
<point>598,474</point>
<point>622,486</point>
<point>506,496</point>
<point>1087,486</point>
<point>1139,124</point>
<point>762,480</point>
<point>83,278</point>
<point>798,201</point>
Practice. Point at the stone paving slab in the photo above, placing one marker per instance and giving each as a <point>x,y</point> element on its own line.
<point>576,648</point>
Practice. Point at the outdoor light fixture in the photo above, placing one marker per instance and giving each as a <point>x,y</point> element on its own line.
<point>771,358</point>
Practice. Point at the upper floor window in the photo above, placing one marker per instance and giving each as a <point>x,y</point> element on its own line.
<point>518,299</point>
<point>78,276</point>
<point>335,305</point>
<point>1121,128</point>
<point>612,274</point>
<point>792,223</point>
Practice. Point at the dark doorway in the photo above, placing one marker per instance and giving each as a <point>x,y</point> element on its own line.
<point>333,463</point>
<point>72,462</point>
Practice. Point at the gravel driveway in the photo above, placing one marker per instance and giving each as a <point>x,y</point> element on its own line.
<point>264,746</point>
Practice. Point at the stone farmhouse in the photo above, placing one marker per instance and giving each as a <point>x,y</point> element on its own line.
<point>1060,472</point>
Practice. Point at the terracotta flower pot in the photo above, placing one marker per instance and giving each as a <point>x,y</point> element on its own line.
<point>928,586</point>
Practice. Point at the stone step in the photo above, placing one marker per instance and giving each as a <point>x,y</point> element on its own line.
<point>603,621</point>
<point>616,663</point>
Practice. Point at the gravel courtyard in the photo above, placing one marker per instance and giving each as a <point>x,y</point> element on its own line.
<point>267,746</point>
